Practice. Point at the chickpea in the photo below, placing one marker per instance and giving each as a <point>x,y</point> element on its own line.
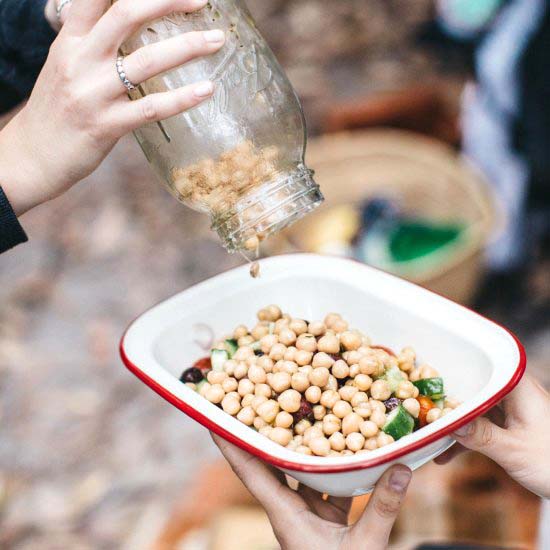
<point>246,415</point>
<point>414,375</point>
<point>452,403</point>
<point>216,377</point>
<point>277,352</point>
<point>379,418</point>
<point>267,342</point>
<point>215,394</point>
<point>347,452</point>
<point>428,372</point>
<point>332,384</point>
<point>280,325</point>
<point>354,370</point>
<point>341,409</point>
<point>328,343</point>
<point>289,366</point>
<point>364,409</point>
<point>268,410</point>
<point>292,446</point>
<point>303,450</point>
<point>274,313</point>
<point>352,357</point>
<point>263,315</point>
<point>350,340</point>
<point>312,394</point>
<point>405,390</point>
<point>257,401</point>
<point>331,318</point>
<point>245,387</point>
<point>300,382</point>
<point>241,370</point>
<point>368,365</point>
<point>280,381</point>
<point>290,353</point>
<point>377,405</point>
<point>265,362</point>
<point>329,398</point>
<point>319,376</point>
<point>278,366</point>
<point>322,360</point>
<point>358,398</point>
<point>412,406</point>
<point>243,353</point>
<point>347,393</point>
<point>266,430</point>
<point>230,385</point>
<point>312,433</point>
<point>306,342</point>
<point>339,326</point>
<point>317,328</point>
<point>368,428</point>
<point>337,441</point>
<point>416,392</point>
<point>290,401</point>
<point>284,420</point>
<point>383,439</point>
<point>433,415</point>
<point>331,424</point>
<point>351,423</point>
<point>287,337</point>
<point>233,394</point>
<point>257,375</point>
<point>319,412</point>
<point>231,405</point>
<point>246,401</point>
<point>259,423</point>
<point>191,386</point>
<point>446,411</point>
<point>229,367</point>
<point>299,326</point>
<point>245,341</point>
<point>303,357</point>
<point>320,446</point>
<point>305,369</point>
<point>380,390</point>
<point>340,369</point>
<point>281,436</point>
<point>355,441</point>
<point>298,438</point>
<point>259,331</point>
<point>263,390</point>
<point>302,426</point>
<point>240,331</point>
<point>363,382</point>
<point>371,444</point>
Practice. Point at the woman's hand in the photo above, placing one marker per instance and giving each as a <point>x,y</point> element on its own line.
<point>516,436</point>
<point>79,107</point>
<point>304,520</point>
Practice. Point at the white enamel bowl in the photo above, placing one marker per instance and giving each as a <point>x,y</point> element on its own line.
<point>479,361</point>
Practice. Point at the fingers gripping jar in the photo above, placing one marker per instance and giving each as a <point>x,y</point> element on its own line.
<point>238,157</point>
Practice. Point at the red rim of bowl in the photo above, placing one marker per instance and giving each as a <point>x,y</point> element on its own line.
<point>334,468</point>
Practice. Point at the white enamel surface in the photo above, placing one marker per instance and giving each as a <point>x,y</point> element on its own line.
<point>476,357</point>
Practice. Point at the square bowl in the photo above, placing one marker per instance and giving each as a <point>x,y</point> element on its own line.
<point>480,361</point>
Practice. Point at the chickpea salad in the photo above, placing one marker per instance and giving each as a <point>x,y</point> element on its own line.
<point>319,388</point>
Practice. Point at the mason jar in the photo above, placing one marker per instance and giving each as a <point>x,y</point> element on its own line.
<point>238,157</point>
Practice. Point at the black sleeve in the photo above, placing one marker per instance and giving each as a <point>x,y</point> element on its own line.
<point>25,39</point>
<point>11,232</point>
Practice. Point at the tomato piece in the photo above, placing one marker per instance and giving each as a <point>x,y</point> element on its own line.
<point>384,348</point>
<point>425,405</point>
<point>204,365</point>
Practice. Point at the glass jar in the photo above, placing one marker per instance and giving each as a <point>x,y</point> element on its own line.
<point>238,157</point>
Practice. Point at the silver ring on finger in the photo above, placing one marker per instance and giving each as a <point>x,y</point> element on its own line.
<point>61,6</point>
<point>130,86</point>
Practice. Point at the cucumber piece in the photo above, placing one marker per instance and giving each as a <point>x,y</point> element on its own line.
<point>399,423</point>
<point>231,346</point>
<point>431,387</point>
<point>218,357</point>
<point>393,376</point>
<point>440,403</point>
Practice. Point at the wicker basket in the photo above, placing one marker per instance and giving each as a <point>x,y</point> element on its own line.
<point>425,177</point>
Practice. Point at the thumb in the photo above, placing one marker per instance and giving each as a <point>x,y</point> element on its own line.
<point>487,438</point>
